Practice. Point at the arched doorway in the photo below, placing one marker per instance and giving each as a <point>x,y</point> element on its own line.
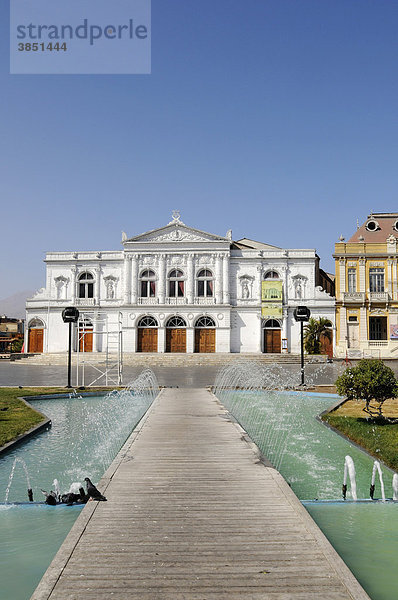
<point>176,338</point>
<point>205,335</point>
<point>85,336</point>
<point>272,336</point>
<point>147,335</point>
<point>35,336</point>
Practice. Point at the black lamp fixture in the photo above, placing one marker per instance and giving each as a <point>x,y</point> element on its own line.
<point>302,314</point>
<point>70,315</point>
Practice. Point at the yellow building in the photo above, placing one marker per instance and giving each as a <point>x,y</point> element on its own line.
<point>367,290</point>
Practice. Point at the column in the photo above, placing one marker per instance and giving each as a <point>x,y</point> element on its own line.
<point>162,279</point>
<point>127,280</point>
<point>73,285</point>
<point>362,275</point>
<point>342,277</point>
<point>191,280</point>
<point>390,272</point>
<point>394,278</point>
<point>97,285</point>
<point>134,279</point>
<point>343,327</point>
<point>363,324</point>
<point>218,278</point>
<point>190,340</point>
<point>162,340</point>
<point>225,277</point>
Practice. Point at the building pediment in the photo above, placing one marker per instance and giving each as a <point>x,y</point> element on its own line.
<point>175,231</point>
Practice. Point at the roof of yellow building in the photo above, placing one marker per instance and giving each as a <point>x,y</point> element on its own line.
<point>377,228</point>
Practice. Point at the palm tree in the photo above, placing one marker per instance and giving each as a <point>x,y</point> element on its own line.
<point>314,331</point>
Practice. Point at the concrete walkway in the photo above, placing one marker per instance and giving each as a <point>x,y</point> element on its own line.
<point>193,514</point>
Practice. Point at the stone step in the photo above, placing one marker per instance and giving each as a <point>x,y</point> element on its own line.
<point>170,360</point>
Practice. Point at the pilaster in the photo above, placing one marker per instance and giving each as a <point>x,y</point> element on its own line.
<point>363,324</point>
<point>225,277</point>
<point>97,293</point>
<point>191,280</point>
<point>162,281</point>
<point>218,278</point>
<point>362,275</point>
<point>127,279</point>
<point>134,279</point>
<point>190,340</point>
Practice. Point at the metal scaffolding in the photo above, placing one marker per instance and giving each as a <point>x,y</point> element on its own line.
<point>99,346</point>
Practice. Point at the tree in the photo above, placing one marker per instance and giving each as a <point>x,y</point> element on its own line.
<point>371,380</point>
<point>313,331</point>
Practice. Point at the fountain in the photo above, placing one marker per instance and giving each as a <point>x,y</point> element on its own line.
<point>395,487</point>
<point>283,424</point>
<point>23,463</point>
<point>349,469</point>
<point>376,467</point>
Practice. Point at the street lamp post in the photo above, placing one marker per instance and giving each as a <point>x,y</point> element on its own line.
<point>302,314</point>
<point>70,315</point>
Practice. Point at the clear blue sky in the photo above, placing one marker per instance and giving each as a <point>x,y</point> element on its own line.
<point>276,118</point>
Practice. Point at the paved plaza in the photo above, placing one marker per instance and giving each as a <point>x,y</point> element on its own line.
<point>15,373</point>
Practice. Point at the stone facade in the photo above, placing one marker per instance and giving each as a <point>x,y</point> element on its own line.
<point>178,278</point>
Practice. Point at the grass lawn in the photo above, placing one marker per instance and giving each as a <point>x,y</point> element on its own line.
<point>378,437</point>
<point>17,418</point>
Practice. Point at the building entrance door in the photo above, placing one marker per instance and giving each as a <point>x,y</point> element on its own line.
<point>35,340</point>
<point>353,335</point>
<point>272,341</point>
<point>147,340</point>
<point>205,340</point>
<point>85,339</point>
<point>176,340</point>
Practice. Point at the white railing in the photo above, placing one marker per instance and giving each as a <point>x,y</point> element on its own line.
<point>378,296</point>
<point>378,343</point>
<point>177,301</point>
<point>204,300</point>
<point>148,301</point>
<point>85,302</point>
<point>354,297</point>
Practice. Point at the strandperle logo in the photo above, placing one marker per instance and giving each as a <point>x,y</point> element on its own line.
<point>68,37</point>
<point>84,31</point>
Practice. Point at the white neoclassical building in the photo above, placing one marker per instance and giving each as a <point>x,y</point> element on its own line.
<point>178,289</point>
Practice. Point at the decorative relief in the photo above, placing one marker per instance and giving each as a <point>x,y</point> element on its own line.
<point>61,284</point>
<point>246,284</point>
<point>110,283</point>
<point>376,264</point>
<point>299,284</point>
<point>352,264</point>
<point>177,235</point>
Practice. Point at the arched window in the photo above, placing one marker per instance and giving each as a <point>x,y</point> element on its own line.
<point>86,285</point>
<point>271,324</point>
<point>176,322</point>
<point>147,322</point>
<point>148,284</point>
<point>176,284</point>
<point>271,275</point>
<point>205,283</point>
<point>205,322</point>
<point>36,323</point>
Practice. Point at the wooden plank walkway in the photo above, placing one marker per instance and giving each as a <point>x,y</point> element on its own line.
<point>193,514</point>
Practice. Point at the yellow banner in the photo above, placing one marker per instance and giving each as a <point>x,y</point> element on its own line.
<point>271,309</point>
<point>271,291</point>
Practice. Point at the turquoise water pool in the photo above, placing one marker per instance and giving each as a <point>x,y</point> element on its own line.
<point>311,458</point>
<point>85,436</point>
